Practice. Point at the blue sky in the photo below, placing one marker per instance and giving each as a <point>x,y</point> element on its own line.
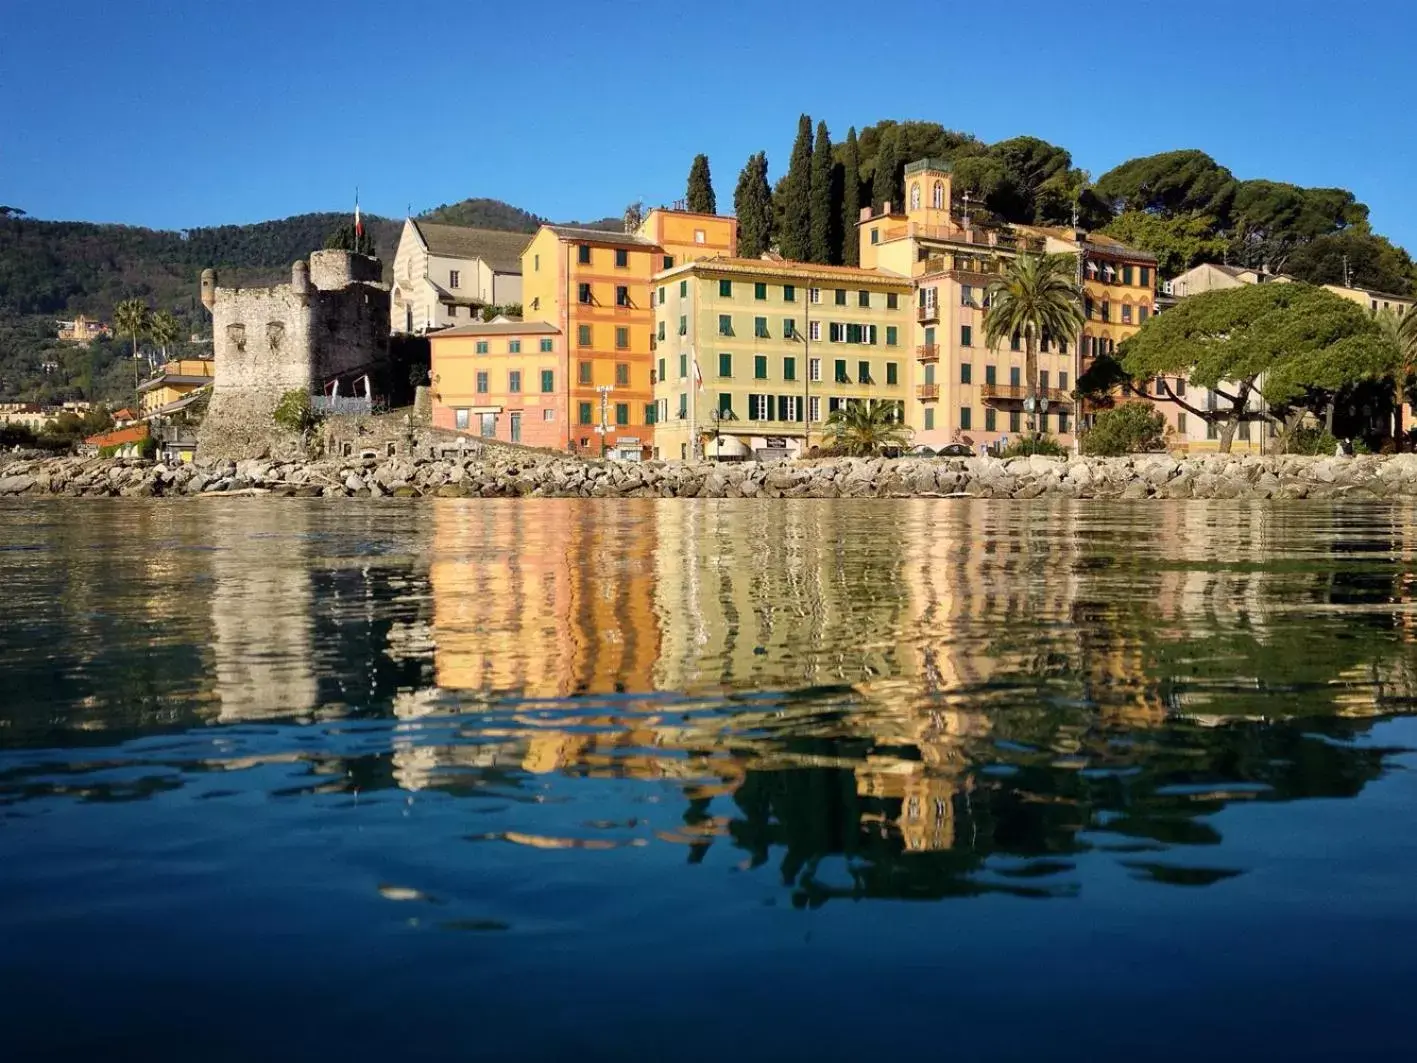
<point>171,114</point>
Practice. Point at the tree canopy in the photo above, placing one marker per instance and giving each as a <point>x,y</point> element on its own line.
<point>699,197</point>
<point>752,203</point>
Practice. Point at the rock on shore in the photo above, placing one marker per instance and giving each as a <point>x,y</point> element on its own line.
<point>502,475</point>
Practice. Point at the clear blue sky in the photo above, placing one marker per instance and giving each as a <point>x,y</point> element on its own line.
<point>175,114</point>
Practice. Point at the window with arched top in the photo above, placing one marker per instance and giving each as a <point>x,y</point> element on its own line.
<point>937,196</point>
<point>915,196</point>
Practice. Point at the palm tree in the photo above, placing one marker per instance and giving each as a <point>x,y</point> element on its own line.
<point>131,316</point>
<point>163,328</point>
<point>1401,336</point>
<point>1036,296</point>
<point>863,428</point>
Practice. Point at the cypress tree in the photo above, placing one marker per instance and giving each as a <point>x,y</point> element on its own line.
<point>700,197</point>
<point>885,187</point>
<point>752,203</point>
<point>821,248</point>
<point>850,200</point>
<point>795,239</point>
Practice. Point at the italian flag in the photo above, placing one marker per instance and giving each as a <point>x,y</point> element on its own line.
<point>358,225</point>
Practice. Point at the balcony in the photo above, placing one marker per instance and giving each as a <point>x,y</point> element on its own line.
<point>928,312</point>
<point>927,392</point>
<point>1017,393</point>
<point>624,308</point>
<point>927,352</point>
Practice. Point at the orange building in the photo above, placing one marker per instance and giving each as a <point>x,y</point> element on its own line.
<point>595,288</point>
<point>503,380</point>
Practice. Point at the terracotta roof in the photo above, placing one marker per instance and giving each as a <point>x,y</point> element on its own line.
<point>124,414</point>
<point>118,436</point>
<point>600,236</point>
<point>500,250</point>
<point>499,328</point>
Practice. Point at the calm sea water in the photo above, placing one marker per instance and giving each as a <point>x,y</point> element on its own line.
<point>707,780</point>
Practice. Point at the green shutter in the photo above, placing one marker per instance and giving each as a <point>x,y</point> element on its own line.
<point>789,369</point>
<point>725,289</point>
<point>725,365</point>
<point>891,373</point>
<point>548,381</point>
<point>760,367</point>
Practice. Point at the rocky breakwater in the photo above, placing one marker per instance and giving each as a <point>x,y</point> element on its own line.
<point>504,475</point>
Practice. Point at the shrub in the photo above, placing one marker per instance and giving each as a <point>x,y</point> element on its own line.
<point>1310,440</point>
<point>295,413</point>
<point>1125,429</point>
<point>1045,445</point>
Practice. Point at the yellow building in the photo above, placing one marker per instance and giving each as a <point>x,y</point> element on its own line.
<point>778,346</point>
<point>595,287</point>
<point>174,383</point>
<point>1375,301</point>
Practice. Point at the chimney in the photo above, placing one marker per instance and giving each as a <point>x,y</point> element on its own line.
<point>886,208</point>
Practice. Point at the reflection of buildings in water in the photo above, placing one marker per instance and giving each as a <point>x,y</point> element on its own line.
<point>544,598</point>
<point>261,604</point>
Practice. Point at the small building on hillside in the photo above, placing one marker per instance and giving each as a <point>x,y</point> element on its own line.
<point>82,330</point>
<point>175,382</point>
<point>325,333</point>
<point>445,274</point>
<point>1214,276</point>
<point>127,442</point>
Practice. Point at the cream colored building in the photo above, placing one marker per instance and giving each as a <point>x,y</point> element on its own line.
<point>445,274</point>
<point>752,356</point>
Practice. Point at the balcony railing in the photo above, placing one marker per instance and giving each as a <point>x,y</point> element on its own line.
<point>927,392</point>
<point>928,312</point>
<point>927,352</point>
<point>1017,393</point>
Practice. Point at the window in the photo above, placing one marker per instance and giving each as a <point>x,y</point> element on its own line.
<point>546,346</point>
<point>683,289</point>
<point>514,346</point>
<point>814,295</point>
<point>966,336</point>
<point>1062,421</point>
<point>760,291</point>
<point>725,324</point>
<point>863,299</point>
<point>482,383</point>
<point>760,367</point>
<point>583,293</point>
<point>622,258</point>
<point>1013,420</point>
<point>814,370</point>
<point>514,381</point>
<point>863,373</point>
<point>683,325</point>
<point>668,262</point>
<point>583,254</point>
<point>460,419</point>
<point>481,347</point>
<point>915,195</point>
<point>1127,275</point>
<point>536,263</point>
<point>659,334</point>
<point>725,289</point>
<point>1181,422</point>
<point>966,295</point>
<point>930,372</point>
<point>1015,342</point>
<point>841,297</point>
<point>789,293</point>
<point>488,426</point>
<point>1211,431</point>
<point>583,414</point>
<point>725,404</point>
<point>622,413</point>
<point>760,328</point>
<point>453,278</point>
<point>453,311</point>
<point>622,374</point>
<point>651,412</point>
<point>1087,306</point>
<point>1126,314</point>
<point>892,301</point>
<point>1042,380</point>
<point>789,369</point>
<point>929,418</point>
<point>725,365</point>
<point>516,428</point>
<point>683,367</point>
<point>1141,315</point>
<point>1181,387</point>
<point>789,328</point>
<point>814,331</point>
<point>683,404</point>
<point>1106,310</point>
<point>700,236</point>
<point>875,236</point>
<point>1063,381</point>
<point>841,377</point>
<point>583,373</point>
<point>548,414</point>
<point>622,338</point>
<point>966,373</point>
<point>1146,276</point>
<point>991,419</point>
<point>1013,376</point>
<point>548,381</point>
<point>759,407</point>
<point>891,335</point>
<point>1245,431</point>
<point>892,373</point>
<point>582,335</point>
<point>661,295</point>
<point>814,408</point>
<point>622,295</point>
<point>966,418</point>
<point>1160,384</point>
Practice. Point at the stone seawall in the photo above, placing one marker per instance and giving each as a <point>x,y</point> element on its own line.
<point>502,475</point>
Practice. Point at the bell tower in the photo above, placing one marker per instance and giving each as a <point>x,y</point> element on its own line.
<point>928,187</point>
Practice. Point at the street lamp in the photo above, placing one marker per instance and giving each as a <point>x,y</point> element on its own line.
<point>603,428</point>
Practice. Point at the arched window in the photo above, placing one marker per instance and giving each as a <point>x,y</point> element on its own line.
<point>937,196</point>
<point>915,196</point>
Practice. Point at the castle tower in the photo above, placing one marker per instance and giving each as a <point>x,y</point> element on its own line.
<point>209,289</point>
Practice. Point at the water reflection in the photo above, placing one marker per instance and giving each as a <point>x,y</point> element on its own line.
<point>879,699</point>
